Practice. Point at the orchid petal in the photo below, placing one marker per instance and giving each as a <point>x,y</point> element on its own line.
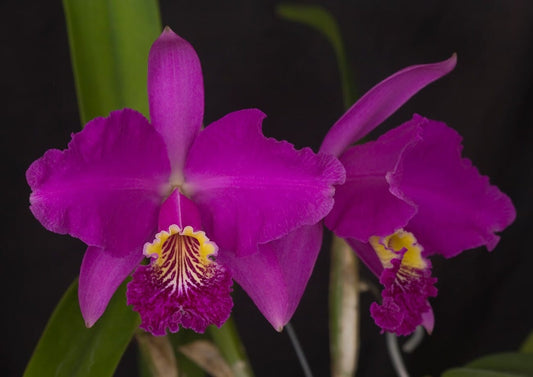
<point>175,94</point>
<point>458,209</point>
<point>179,210</point>
<point>100,275</point>
<point>111,176</point>
<point>253,190</point>
<point>276,276</point>
<point>380,102</point>
<point>364,206</point>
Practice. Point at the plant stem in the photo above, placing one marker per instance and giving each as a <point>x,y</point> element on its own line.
<point>344,309</point>
<point>395,355</point>
<point>299,351</point>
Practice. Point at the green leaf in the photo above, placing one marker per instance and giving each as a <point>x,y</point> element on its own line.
<point>505,362</point>
<point>527,345</point>
<point>321,20</point>
<point>67,348</point>
<point>109,45</point>
<point>470,372</point>
<point>508,364</point>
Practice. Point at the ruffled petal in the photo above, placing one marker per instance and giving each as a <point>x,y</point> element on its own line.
<point>100,275</point>
<point>364,205</point>
<point>380,102</point>
<point>253,190</point>
<point>114,173</point>
<point>183,286</point>
<point>276,276</point>
<point>408,284</point>
<point>175,95</point>
<point>458,209</point>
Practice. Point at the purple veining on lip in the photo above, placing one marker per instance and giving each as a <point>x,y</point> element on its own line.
<point>180,287</point>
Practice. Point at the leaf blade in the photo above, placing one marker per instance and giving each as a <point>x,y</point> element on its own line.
<point>321,20</point>
<point>510,362</point>
<point>68,348</point>
<point>472,372</point>
<point>109,45</point>
<point>527,345</point>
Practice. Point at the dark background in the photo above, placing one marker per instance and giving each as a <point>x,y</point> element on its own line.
<point>252,58</point>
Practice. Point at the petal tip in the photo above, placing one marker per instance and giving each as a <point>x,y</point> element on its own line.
<point>168,33</point>
<point>451,62</point>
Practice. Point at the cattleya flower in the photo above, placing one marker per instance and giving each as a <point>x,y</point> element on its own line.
<point>409,195</point>
<point>202,205</point>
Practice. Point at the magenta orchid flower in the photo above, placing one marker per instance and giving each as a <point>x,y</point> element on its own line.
<point>409,195</point>
<point>203,205</point>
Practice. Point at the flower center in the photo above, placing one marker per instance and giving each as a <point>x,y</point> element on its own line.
<point>181,259</point>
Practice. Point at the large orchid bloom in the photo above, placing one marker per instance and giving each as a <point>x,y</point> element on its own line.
<point>203,205</point>
<point>409,195</point>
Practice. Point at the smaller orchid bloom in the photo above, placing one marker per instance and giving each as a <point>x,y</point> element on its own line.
<point>408,195</point>
<point>202,204</point>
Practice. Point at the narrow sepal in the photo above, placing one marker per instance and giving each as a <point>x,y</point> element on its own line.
<point>380,102</point>
<point>275,277</point>
<point>175,95</point>
<point>100,275</point>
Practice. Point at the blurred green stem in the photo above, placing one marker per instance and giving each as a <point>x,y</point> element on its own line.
<point>230,345</point>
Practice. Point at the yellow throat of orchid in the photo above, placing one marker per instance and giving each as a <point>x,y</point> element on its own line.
<point>181,257</point>
<point>387,248</point>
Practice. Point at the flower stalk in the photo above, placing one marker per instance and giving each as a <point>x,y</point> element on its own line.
<point>343,309</point>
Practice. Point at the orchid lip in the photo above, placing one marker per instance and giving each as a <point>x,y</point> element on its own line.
<point>183,286</point>
<point>407,281</point>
